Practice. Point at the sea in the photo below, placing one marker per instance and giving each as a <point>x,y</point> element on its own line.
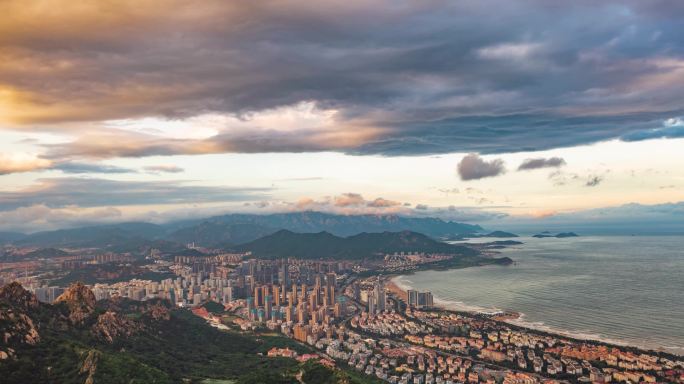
<point>626,290</point>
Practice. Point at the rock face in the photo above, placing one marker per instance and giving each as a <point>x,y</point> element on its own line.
<point>90,365</point>
<point>159,312</point>
<point>16,327</point>
<point>16,296</point>
<point>111,325</point>
<point>80,300</point>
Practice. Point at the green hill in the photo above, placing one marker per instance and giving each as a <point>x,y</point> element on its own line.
<point>324,245</point>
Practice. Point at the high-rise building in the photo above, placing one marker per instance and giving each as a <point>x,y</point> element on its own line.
<point>302,313</point>
<point>264,292</point>
<point>276,295</point>
<point>313,304</point>
<point>412,298</point>
<point>425,299</point>
<point>303,293</point>
<point>289,313</point>
<point>250,304</point>
<point>283,293</point>
<point>258,298</point>
<point>380,296</point>
<point>268,306</point>
<point>227,294</point>
<point>284,274</point>
<point>330,283</point>
<point>371,305</point>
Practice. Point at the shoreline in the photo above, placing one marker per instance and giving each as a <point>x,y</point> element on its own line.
<point>515,319</point>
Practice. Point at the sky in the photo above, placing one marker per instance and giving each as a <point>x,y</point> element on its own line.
<point>509,114</point>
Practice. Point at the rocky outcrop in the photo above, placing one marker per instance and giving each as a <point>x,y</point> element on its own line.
<point>90,365</point>
<point>111,325</point>
<point>14,295</point>
<point>159,312</point>
<point>80,300</point>
<point>16,326</point>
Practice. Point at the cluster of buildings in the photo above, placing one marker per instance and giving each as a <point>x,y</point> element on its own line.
<point>417,299</point>
<point>297,303</point>
<point>426,346</point>
<point>400,362</point>
<point>359,322</point>
<point>409,261</point>
<point>547,355</point>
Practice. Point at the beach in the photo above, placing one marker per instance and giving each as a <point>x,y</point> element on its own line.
<point>618,290</point>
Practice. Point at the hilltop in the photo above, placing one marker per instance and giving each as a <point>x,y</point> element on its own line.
<point>284,243</point>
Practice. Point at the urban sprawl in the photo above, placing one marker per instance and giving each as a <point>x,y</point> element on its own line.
<point>355,316</point>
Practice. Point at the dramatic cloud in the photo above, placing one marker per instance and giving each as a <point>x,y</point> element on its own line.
<point>247,137</point>
<point>551,162</point>
<point>163,169</point>
<point>473,167</point>
<point>393,78</point>
<point>14,163</point>
<point>87,192</point>
<point>672,129</point>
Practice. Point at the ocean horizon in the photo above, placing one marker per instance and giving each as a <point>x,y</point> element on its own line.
<point>622,290</point>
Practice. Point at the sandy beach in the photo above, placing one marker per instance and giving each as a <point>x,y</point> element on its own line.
<point>395,289</point>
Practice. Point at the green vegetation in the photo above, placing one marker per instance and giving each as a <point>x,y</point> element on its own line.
<point>110,273</point>
<point>464,262</point>
<point>213,307</point>
<point>283,244</point>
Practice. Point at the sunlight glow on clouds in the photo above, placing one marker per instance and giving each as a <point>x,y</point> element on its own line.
<point>365,106</point>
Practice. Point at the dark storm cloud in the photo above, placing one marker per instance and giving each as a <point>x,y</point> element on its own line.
<point>672,129</point>
<point>89,192</point>
<point>473,167</point>
<point>551,162</point>
<point>430,76</point>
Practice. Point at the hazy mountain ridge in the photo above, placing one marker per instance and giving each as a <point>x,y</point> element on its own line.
<point>347,225</point>
<point>217,234</point>
<point>229,230</point>
<point>94,236</point>
<point>8,237</point>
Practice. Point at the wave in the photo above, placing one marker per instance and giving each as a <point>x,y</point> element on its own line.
<point>592,336</point>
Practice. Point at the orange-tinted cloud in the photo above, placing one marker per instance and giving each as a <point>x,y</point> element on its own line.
<point>12,163</point>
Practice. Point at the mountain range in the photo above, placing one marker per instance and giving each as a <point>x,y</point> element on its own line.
<point>231,230</point>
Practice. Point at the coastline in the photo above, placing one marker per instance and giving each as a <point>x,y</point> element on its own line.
<point>516,320</point>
